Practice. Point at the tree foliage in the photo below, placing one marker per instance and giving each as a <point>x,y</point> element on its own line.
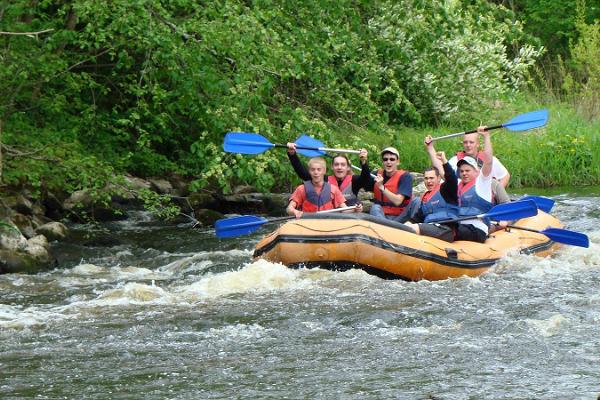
<point>151,86</point>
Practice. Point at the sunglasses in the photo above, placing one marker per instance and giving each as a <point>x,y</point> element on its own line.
<point>389,158</point>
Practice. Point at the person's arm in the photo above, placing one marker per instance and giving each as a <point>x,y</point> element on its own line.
<point>339,201</point>
<point>299,168</point>
<point>296,201</point>
<point>404,190</point>
<point>369,182</point>
<point>363,180</point>
<point>504,181</point>
<point>488,152</point>
<point>453,161</point>
<point>500,195</point>
<point>417,217</point>
<point>449,188</point>
<point>292,210</point>
<point>500,172</point>
<point>435,162</point>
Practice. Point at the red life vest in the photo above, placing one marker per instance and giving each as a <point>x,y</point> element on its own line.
<point>391,185</point>
<point>345,187</point>
<point>480,155</point>
<point>425,197</point>
<point>317,202</point>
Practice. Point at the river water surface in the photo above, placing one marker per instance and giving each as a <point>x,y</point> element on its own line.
<point>142,310</point>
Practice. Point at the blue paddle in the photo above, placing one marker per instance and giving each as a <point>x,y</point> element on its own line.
<point>559,235</point>
<point>253,143</point>
<point>246,224</point>
<point>307,141</point>
<point>503,212</point>
<point>543,203</point>
<point>523,122</point>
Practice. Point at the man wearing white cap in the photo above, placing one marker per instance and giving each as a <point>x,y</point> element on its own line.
<point>392,188</point>
<point>475,191</point>
<point>471,148</point>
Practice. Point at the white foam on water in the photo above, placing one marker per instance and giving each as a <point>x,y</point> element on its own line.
<point>548,327</point>
<point>566,261</point>
<point>198,262</point>
<point>131,293</point>
<point>252,278</point>
<point>17,317</point>
<point>255,277</point>
<point>90,274</point>
<point>86,269</point>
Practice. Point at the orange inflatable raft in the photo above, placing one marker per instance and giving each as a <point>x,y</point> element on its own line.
<point>388,250</point>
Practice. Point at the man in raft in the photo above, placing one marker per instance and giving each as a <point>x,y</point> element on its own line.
<point>392,188</point>
<point>348,183</point>
<point>316,194</point>
<point>440,201</point>
<point>499,172</point>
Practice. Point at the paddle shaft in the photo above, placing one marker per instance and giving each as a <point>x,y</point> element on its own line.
<point>323,149</point>
<point>333,210</point>
<point>465,218</point>
<point>489,128</point>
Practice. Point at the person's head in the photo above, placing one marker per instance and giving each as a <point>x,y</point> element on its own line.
<point>471,144</point>
<point>431,177</point>
<point>317,168</point>
<point>341,166</point>
<point>467,169</point>
<point>390,158</point>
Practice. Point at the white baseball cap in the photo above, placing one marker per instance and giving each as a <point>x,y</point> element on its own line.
<point>468,160</point>
<point>390,150</point>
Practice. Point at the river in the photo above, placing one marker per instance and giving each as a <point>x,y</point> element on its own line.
<point>143,310</point>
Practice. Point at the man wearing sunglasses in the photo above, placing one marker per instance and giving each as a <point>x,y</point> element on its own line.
<point>392,188</point>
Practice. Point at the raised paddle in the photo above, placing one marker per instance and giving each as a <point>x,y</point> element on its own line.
<point>253,143</point>
<point>502,212</point>
<point>246,224</point>
<point>523,122</point>
<point>559,235</point>
<point>307,141</point>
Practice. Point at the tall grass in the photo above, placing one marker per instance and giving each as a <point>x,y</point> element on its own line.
<point>563,153</point>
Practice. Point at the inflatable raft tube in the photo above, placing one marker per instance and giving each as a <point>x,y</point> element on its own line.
<point>389,250</point>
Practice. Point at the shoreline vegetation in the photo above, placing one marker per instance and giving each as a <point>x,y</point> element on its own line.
<point>96,93</point>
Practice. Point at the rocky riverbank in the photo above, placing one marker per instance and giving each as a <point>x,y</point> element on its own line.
<point>29,224</point>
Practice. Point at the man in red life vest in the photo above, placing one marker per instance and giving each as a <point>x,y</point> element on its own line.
<point>392,188</point>
<point>316,194</point>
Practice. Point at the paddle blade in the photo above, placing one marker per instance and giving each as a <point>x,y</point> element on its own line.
<point>512,211</point>
<point>236,226</point>
<point>543,203</point>
<point>245,143</point>
<point>312,143</point>
<point>567,237</point>
<point>531,120</point>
